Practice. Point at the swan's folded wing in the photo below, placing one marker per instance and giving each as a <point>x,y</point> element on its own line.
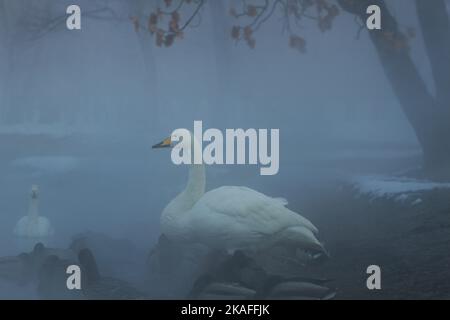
<point>239,213</point>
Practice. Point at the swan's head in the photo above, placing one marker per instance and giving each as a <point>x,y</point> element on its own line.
<point>179,139</point>
<point>166,143</point>
<point>34,191</point>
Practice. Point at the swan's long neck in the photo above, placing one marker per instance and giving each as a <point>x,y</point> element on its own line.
<point>33,210</point>
<point>195,187</point>
<point>176,211</point>
<point>194,190</point>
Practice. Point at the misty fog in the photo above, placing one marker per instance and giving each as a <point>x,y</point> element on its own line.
<point>80,110</point>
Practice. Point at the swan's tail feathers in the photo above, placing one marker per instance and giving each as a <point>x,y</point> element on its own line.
<point>303,239</point>
<point>308,224</point>
<point>320,256</point>
<point>325,250</point>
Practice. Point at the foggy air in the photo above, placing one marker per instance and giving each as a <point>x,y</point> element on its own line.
<point>321,170</point>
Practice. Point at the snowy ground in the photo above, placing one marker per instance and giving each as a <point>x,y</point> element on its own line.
<point>410,243</point>
<point>400,189</point>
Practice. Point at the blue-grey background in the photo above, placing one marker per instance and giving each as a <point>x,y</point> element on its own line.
<point>79,111</point>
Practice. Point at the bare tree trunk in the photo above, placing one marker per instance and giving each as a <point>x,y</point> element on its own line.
<point>434,21</point>
<point>429,115</point>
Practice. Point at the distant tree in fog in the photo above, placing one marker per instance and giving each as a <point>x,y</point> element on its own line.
<point>428,114</point>
<point>22,23</point>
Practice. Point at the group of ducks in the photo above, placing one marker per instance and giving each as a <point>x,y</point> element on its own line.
<point>237,222</point>
<point>239,277</point>
<point>46,269</point>
<point>219,275</point>
<point>231,276</point>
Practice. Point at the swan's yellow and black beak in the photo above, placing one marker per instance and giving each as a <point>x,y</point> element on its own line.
<point>166,143</point>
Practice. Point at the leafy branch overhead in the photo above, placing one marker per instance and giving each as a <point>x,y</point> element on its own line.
<point>168,21</point>
<point>293,12</point>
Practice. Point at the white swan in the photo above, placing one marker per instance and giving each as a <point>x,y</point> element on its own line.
<point>32,225</point>
<point>232,217</point>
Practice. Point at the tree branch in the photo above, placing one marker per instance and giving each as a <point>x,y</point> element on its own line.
<point>321,12</point>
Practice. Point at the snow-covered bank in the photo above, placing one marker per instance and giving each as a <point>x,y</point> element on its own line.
<point>400,189</point>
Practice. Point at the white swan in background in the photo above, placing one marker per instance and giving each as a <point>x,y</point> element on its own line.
<point>33,226</point>
<point>232,217</point>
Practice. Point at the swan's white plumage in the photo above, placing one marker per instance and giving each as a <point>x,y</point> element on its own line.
<point>33,225</point>
<point>235,217</point>
<point>232,217</point>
